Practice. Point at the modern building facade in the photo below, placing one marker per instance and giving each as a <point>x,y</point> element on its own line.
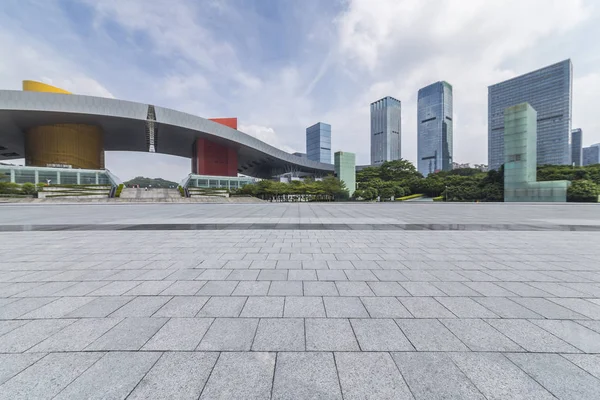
<point>318,143</point>
<point>386,119</point>
<point>435,128</point>
<point>549,92</point>
<point>52,128</point>
<point>345,169</point>
<point>576,147</point>
<point>520,160</point>
<point>591,155</point>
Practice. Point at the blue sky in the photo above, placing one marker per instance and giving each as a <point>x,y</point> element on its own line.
<point>280,66</point>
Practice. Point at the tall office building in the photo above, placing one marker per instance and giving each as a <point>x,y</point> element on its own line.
<point>576,147</point>
<point>385,130</point>
<point>345,169</point>
<point>591,155</point>
<point>318,142</point>
<point>434,133</point>
<point>549,92</point>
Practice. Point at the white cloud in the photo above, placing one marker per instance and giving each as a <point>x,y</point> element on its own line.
<point>266,135</point>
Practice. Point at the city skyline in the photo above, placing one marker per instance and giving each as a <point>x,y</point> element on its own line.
<point>318,142</point>
<point>279,71</point>
<point>386,130</point>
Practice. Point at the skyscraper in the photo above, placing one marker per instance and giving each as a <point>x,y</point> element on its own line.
<point>345,169</point>
<point>434,133</point>
<point>549,91</point>
<point>318,142</point>
<point>385,130</point>
<point>576,147</point>
<point>591,155</point>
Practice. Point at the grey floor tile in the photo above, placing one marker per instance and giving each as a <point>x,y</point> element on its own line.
<point>57,309</point>
<point>222,307</point>
<point>116,288</point>
<point>389,275</point>
<point>380,335</point>
<point>354,289</point>
<point>547,308</point>
<point>531,337</point>
<point>100,307</point>
<point>361,275</point>
<point>279,334</point>
<point>587,362</point>
<point>430,335</point>
<point>489,289</point>
<point>47,377</point>
<point>47,289</point>
<point>183,288</point>
<point>179,334</point>
<point>331,275</point>
<point>387,289</point>
<point>385,307</point>
<point>370,375</point>
<point>229,334</point>
<point>557,290</point>
<point>523,289</point>
<point>581,306</point>
<point>344,307</point>
<point>558,375</point>
<point>506,308</point>
<point>306,375</point>
<point>113,377</point>
<point>465,307</point>
<point>273,275</point>
<point>286,288</point>
<point>182,306</point>
<point>179,375</point>
<point>425,307</point>
<point>479,335</point>
<point>241,376</point>
<point>218,288</point>
<point>76,336</point>
<point>577,335</point>
<point>252,288</point>
<point>80,288</point>
<point>455,289</point>
<point>433,376</point>
<point>26,336</point>
<point>422,289</point>
<point>329,335</point>
<point>303,307</point>
<point>498,378</point>
<point>259,307</point>
<point>12,364</point>
<point>9,325</point>
<point>320,289</point>
<point>149,288</point>
<point>214,275</point>
<point>130,334</point>
<point>143,306</point>
<point>243,275</point>
<point>302,275</point>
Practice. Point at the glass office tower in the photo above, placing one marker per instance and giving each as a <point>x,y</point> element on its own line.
<point>345,169</point>
<point>591,155</point>
<point>549,91</point>
<point>434,133</point>
<point>385,130</point>
<point>318,142</point>
<point>576,147</point>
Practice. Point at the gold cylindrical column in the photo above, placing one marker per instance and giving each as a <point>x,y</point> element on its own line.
<point>79,146</point>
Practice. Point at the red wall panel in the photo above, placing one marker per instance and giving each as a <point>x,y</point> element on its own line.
<point>230,122</point>
<point>211,158</point>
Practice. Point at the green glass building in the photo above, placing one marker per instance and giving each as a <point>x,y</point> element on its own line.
<point>520,160</point>
<point>345,169</point>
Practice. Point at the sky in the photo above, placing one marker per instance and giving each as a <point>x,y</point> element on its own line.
<point>280,66</point>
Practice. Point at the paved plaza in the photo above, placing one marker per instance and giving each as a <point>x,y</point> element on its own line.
<point>300,301</point>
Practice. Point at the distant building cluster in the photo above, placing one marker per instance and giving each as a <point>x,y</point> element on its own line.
<point>481,167</point>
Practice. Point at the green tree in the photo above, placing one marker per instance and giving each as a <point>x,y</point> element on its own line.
<point>367,174</point>
<point>386,194</point>
<point>28,188</point>
<point>583,191</point>
<point>398,170</point>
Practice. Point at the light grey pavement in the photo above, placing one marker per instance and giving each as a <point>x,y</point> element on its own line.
<point>299,314</point>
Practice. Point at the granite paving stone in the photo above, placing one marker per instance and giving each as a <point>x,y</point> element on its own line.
<point>100,307</point>
<point>26,336</point>
<point>303,307</point>
<point>179,334</point>
<point>430,335</point>
<point>114,376</point>
<point>241,376</point>
<point>573,333</point>
<point>320,289</point>
<point>306,375</point>
<point>379,335</point>
<point>12,364</point>
<point>176,375</point>
<point>142,306</point>
<point>479,335</point>
<point>279,334</point>
<point>587,362</point>
<point>129,334</point>
<point>370,375</point>
<point>76,336</point>
<point>182,288</point>
<point>263,307</point>
<point>218,306</point>
<point>425,307</point>
<point>46,378</point>
<point>344,307</point>
<point>433,376</point>
<point>182,306</point>
<point>385,307</point>
<point>229,334</point>
<point>530,336</point>
<point>323,334</point>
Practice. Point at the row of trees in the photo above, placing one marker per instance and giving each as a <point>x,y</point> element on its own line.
<point>468,184</point>
<point>327,189</point>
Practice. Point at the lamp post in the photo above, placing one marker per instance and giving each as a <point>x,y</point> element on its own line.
<point>446,193</point>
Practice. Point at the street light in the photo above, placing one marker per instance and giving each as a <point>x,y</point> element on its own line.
<point>446,193</point>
